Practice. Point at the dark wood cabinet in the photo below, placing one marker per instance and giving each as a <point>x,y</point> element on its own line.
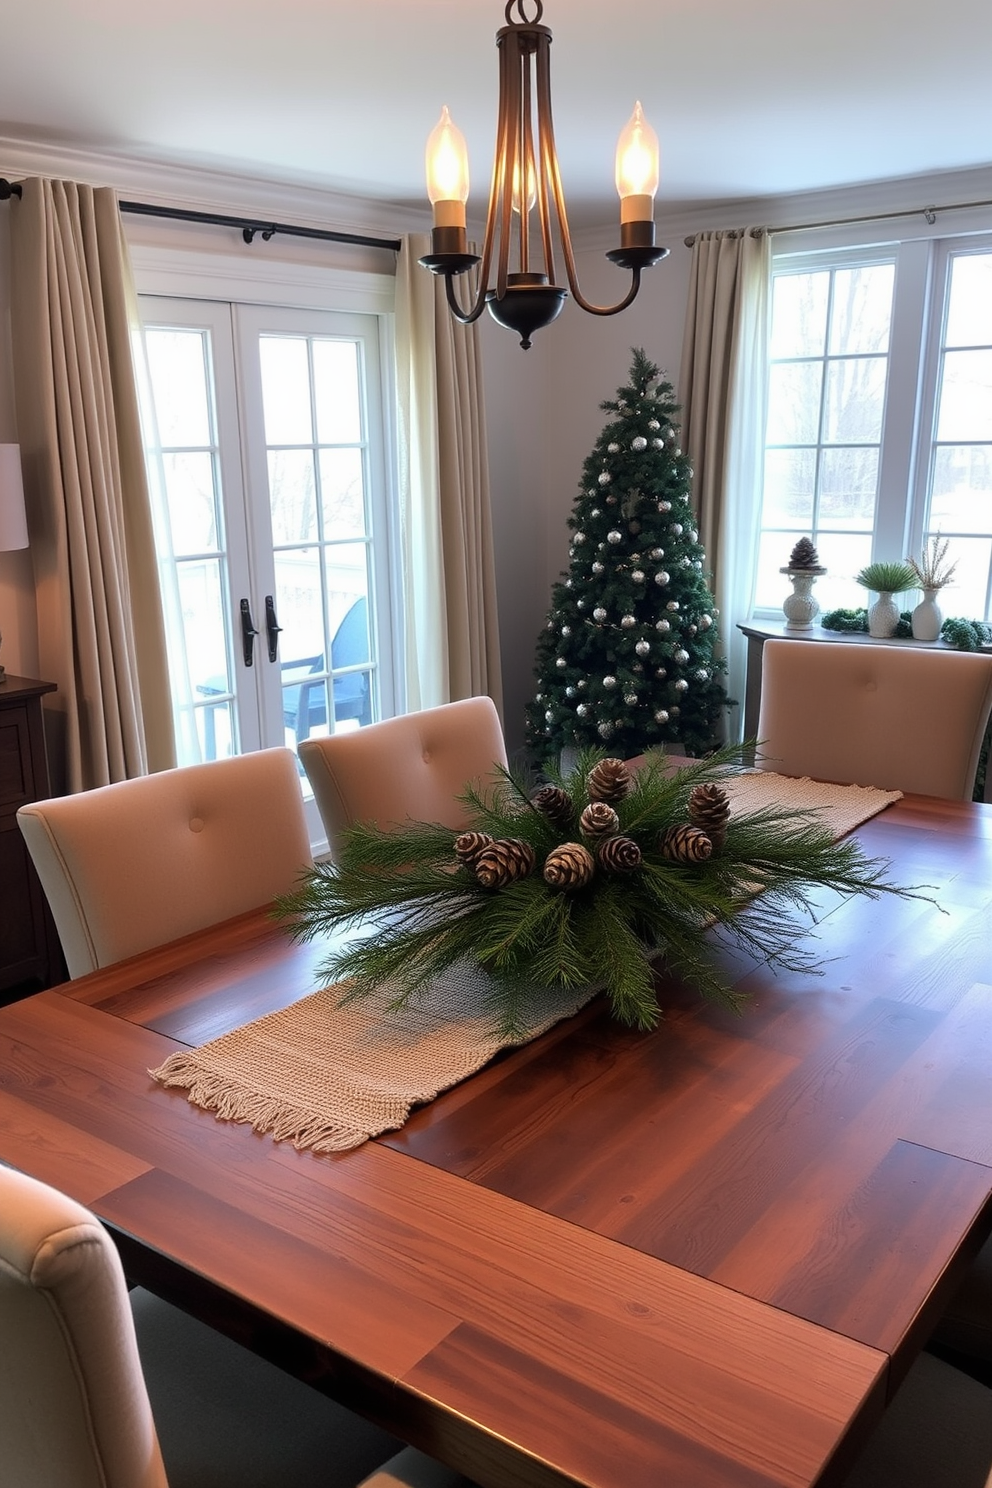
<point>30,954</point>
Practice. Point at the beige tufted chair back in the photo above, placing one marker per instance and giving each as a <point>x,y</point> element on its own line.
<point>902,718</point>
<point>408,768</point>
<point>133,865</point>
<point>73,1404</point>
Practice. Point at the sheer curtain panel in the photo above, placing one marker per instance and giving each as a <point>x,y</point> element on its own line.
<point>452,636</point>
<point>722,392</point>
<point>100,631</point>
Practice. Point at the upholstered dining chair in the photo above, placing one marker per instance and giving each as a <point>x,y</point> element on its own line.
<point>99,1390</point>
<point>905,719</point>
<point>409,768</point>
<point>130,866</point>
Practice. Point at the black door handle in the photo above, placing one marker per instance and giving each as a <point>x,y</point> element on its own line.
<point>272,627</point>
<point>248,634</point>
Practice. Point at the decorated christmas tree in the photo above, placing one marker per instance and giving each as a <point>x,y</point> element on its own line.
<point>626,659</point>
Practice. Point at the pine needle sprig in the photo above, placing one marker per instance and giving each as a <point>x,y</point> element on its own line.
<point>420,911</point>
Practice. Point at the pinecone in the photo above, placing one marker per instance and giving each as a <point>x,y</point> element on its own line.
<point>709,810</point>
<point>804,555</point>
<point>599,820</point>
<point>569,866</point>
<point>608,781</point>
<point>618,854</point>
<point>685,845</point>
<point>554,803</point>
<point>503,861</point>
<point>469,845</point>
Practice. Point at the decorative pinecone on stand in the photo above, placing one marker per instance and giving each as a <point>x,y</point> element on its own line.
<point>804,558</point>
<point>504,861</point>
<point>608,781</point>
<point>709,810</point>
<point>569,866</point>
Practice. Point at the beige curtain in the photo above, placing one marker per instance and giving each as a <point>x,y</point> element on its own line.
<point>722,392</point>
<point>452,637</point>
<point>100,631</point>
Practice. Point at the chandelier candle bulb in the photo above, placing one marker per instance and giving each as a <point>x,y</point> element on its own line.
<point>447,184</point>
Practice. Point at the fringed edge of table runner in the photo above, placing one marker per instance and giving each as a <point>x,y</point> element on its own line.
<point>266,1115</point>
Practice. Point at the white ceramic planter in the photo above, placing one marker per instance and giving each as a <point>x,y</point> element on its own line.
<point>927,617</point>
<point>801,607</point>
<point>883,617</point>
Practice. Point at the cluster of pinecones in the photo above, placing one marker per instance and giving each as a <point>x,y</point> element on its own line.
<point>498,862</point>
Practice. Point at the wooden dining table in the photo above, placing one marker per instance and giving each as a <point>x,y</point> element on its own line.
<point>705,1255</point>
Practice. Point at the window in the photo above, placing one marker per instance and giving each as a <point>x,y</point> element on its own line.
<point>271,456</point>
<point>879,426</point>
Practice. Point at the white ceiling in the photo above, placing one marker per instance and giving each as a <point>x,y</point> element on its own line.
<point>750,98</point>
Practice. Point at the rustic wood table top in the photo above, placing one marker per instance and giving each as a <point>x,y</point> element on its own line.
<point>704,1256</point>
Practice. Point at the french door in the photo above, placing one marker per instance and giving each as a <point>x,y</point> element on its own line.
<point>274,521</point>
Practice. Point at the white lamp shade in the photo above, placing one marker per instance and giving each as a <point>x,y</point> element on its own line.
<point>13,518</point>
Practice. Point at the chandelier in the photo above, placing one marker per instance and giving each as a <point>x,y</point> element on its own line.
<point>526,185</point>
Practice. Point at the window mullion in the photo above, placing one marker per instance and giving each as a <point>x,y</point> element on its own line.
<point>899,516</point>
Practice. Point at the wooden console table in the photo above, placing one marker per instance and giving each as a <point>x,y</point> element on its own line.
<point>29,947</point>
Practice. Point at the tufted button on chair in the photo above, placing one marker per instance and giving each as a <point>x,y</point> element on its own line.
<point>409,768</point>
<point>904,719</point>
<point>133,865</point>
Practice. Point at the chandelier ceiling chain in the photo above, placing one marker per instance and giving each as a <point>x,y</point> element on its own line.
<point>526,185</point>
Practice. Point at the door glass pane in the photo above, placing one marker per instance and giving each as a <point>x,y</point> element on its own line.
<point>187,463</point>
<point>293,496</point>
<point>286,389</point>
<point>342,491</point>
<point>337,392</point>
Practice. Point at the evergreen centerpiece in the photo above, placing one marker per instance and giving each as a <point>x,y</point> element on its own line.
<point>584,882</point>
<point>628,655</point>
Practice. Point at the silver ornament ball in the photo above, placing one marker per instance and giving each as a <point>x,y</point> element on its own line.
<point>599,614</point>
<point>681,685</point>
<point>605,477</point>
<point>661,715</point>
<point>662,577</point>
<point>628,622</point>
<point>609,682</point>
<point>613,536</point>
<point>639,443</point>
<point>663,625</point>
<point>642,648</point>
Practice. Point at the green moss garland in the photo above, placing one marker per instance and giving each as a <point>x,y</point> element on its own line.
<point>427,912</point>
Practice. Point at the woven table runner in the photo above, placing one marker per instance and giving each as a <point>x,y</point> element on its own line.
<point>328,1076</point>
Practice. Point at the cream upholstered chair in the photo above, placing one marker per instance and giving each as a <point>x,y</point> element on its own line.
<point>901,718</point>
<point>408,768</point>
<point>129,866</point>
<point>89,1389</point>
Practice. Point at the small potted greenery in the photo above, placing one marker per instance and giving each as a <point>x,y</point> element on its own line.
<point>931,571</point>
<point>885,580</point>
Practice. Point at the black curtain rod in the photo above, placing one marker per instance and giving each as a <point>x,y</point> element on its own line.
<point>249,225</point>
